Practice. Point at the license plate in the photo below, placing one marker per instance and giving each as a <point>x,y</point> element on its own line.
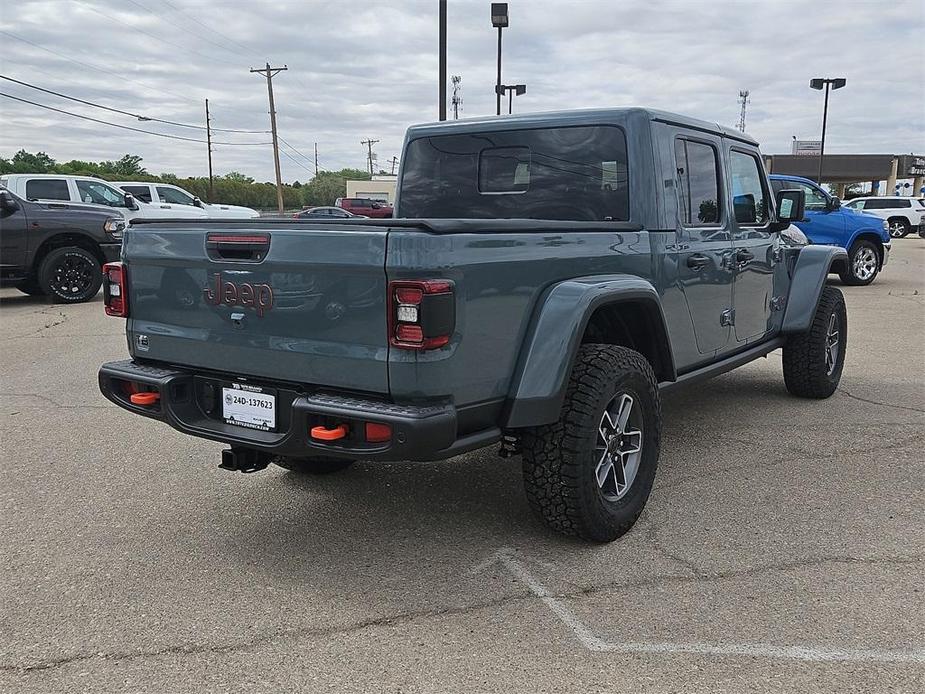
<point>249,406</point>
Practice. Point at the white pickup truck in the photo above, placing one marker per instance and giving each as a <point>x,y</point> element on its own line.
<point>162,194</point>
<point>86,191</point>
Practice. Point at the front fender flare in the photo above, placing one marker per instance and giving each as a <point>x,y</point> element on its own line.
<point>812,266</point>
<point>555,334</point>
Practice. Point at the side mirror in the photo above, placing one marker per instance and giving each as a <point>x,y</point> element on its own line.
<point>8,202</point>
<point>129,201</point>
<point>197,202</point>
<point>376,206</point>
<point>791,205</point>
<point>834,203</point>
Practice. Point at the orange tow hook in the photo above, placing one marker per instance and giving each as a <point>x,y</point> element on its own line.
<point>325,434</point>
<point>144,398</point>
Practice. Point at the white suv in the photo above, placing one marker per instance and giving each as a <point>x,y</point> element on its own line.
<point>162,194</point>
<point>86,191</point>
<point>903,214</point>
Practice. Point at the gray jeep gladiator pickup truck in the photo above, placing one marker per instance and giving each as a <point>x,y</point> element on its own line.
<point>545,277</point>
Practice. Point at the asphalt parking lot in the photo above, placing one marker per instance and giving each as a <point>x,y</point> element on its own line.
<point>782,550</point>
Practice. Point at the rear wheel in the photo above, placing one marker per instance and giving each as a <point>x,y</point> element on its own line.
<point>590,473</point>
<point>313,466</point>
<point>899,227</point>
<point>71,274</point>
<point>813,360</point>
<point>863,264</point>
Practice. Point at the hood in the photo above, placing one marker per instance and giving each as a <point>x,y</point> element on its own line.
<point>229,211</point>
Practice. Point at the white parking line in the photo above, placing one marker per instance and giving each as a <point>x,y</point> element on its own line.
<point>594,643</point>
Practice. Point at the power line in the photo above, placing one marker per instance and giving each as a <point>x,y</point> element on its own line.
<point>295,161</point>
<point>120,75</point>
<point>94,8</point>
<point>214,31</point>
<point>128,127</point>
<point>129,113</point>
<point>166,18</point>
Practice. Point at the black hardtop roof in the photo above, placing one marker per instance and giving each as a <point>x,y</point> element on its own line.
<point>573,117</point>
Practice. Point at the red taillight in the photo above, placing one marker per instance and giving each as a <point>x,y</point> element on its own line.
<point>115,290</point>
<point>422,313</point>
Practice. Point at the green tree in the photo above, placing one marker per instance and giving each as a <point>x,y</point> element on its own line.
<point>26,162</point>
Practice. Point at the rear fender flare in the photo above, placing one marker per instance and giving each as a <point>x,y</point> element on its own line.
<point>812,266</point>
<point>555,335</point>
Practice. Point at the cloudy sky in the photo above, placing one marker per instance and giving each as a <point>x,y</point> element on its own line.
<point>367,69</point>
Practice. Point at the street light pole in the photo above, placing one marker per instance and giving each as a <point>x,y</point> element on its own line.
<point>499,19</point>
<point>819,83</point>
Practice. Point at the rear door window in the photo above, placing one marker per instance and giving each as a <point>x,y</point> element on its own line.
<point>47,189</point>
<point>567,173</point>
<point>698,183</point>
<point>142,193</point>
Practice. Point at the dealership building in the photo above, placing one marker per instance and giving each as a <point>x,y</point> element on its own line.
<point>904,173</point>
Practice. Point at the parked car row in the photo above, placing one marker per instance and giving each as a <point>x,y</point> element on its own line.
<point>57,231</point>
<point>132,199</point>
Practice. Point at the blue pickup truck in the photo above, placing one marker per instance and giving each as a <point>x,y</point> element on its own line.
<point>828,223</point>
<point>545,278</point>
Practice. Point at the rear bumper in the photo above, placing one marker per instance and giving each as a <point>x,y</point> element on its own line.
<point>419,432</point>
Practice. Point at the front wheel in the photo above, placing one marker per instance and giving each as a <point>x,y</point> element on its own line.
<point>898,227</point>
<point>591,472</point>
<point>313,466</point>
<point>863,264</point>
<point>813,361</point>
<point>71,275</point>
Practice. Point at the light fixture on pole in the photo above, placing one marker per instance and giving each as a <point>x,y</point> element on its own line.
<point>511,90</point>
<point>499,19</point>
<point>820,83</point>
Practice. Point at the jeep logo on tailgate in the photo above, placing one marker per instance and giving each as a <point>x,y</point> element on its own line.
<point>257,296</point>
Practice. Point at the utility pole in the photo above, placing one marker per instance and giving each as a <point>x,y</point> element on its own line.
<point>209,146</point>
<point>269,72</point>
<point>442,61</point>
<point>743,99</point>
<point>316,158</point>
<point>393,161</point>
<point>457,100</point>
<point>370,143</point>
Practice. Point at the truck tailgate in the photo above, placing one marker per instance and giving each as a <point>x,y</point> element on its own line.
<point>293,303</point>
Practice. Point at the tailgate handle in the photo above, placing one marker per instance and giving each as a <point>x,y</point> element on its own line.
<point>242,248</point>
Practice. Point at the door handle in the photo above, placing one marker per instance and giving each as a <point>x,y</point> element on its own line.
<point>698,261</point>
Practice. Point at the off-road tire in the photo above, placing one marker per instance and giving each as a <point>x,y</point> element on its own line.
<point>847,273</point>
<point>805,370</point>
<point>313,466</point>
<point>559,459</point>
<point>85,288</point>
<point>899,227</point>
<point>30,287</point>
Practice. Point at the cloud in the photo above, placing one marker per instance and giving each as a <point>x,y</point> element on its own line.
<point>360,69</point>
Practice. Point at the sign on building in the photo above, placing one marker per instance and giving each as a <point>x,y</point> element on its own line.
<point>806,147</point>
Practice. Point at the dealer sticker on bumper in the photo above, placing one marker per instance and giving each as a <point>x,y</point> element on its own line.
<point>249,406</point>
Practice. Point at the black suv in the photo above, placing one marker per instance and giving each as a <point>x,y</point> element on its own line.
<point>56,248</point>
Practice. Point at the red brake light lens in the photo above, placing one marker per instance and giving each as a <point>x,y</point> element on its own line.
<point>115,290</point>
<point>422,313</point>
